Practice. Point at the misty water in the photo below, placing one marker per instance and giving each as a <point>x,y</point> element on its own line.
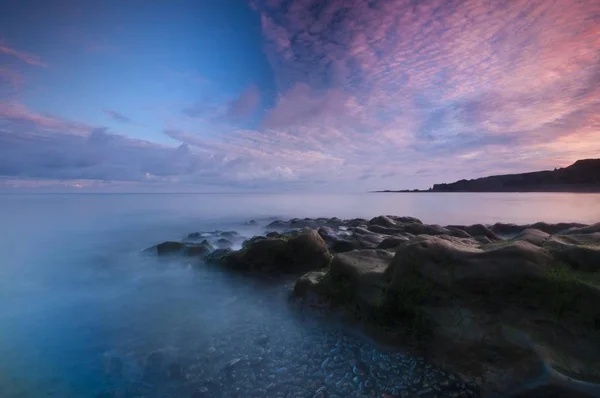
<point>84,314</point>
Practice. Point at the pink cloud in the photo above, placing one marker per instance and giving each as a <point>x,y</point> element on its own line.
<point>28,58</point>
<point>15,112</point>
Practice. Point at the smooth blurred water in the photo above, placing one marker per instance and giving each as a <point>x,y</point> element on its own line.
<point>74,289</point>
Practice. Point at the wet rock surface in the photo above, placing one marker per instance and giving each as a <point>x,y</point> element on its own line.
<point>494,304</point>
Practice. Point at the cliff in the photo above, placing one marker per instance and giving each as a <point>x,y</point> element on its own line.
<point>581,176</point>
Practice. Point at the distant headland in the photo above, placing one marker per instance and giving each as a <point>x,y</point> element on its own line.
<point>581,176</point>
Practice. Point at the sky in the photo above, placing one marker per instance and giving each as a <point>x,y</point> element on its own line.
<point>292,95</point>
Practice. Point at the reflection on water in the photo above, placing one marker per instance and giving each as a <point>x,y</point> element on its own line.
<point>81,312</point>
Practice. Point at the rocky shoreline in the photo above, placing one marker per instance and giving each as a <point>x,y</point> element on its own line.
<point>501,306</point>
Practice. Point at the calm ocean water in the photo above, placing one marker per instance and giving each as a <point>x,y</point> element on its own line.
<point>75,293</point>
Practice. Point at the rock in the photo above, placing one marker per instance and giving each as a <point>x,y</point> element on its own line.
<point>304,252</point>
<point>223,243</point>
<point>368,240</point>
<point>358,276</point>
<point>382,221</point>
<point>336,243</point>
<point>386,230</point>
<point>188,249</point>
<point>555,228</point>
<point>345,245</point>
<point>262,339</point>
<point>405,220</point>
<point>507,229</point>
<point>581,258</point>
<point>309,282</point>
<point>252,222</point>
<point>273,234</point>
<point>447,263</point>
<point>533,236</point>
<point>392,243</point>
<point>218,256</point>
<point>513,229</point>
<point>495,303</point>
<point>423,229</point>
<point>277,224</point>
<point>356,222</point>
<point>201,249</point>
<point>457,232</point>
<point>595,228</point>
<point>477,230</point>
<point>169,248</point>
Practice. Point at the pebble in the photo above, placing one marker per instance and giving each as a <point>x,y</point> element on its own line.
<point>282,359</point>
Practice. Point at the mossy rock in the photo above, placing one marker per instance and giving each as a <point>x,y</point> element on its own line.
<point>298,252</point>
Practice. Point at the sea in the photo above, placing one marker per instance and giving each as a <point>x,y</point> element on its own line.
<point>84,313</point>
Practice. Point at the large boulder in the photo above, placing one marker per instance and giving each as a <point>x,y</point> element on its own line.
<point>450,263</point>
<point>494,313</point>
<point>515,301</point>
<point>357,276</point>
<point>303,251</point>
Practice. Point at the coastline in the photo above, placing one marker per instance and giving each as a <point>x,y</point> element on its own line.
<point>382,272</point>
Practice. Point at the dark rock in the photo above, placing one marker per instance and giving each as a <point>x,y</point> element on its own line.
<point>228,234</point>
<point>507,229</point>
<point>382,221</point>
<point>303,252</point>
<point>391,243</point>
<point>368,241</point>
<point>218,256</point>
<point>278,224</point>
<point>478,306</point>
<point>458,232</point>
<point>476,230</point>
<point>405,220</point>
<point>336,243</point>
<point>533,236</point>
<point>169,248</point>
<point>590,229</point>
<point>309,282</point>
<point>356,222</point>
<point>386,230</point>
<point>223,243</point>
<point>273,234</point>
<point>555,228</point>
<point>580,258</point>
<point>253,240</point>
<point>198,250</point>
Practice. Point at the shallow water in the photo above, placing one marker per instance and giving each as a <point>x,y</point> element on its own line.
<point>82,313</point>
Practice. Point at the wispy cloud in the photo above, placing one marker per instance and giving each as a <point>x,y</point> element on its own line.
<point>119,117</point>
<point>23,56</point>
<point>389,93</point>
